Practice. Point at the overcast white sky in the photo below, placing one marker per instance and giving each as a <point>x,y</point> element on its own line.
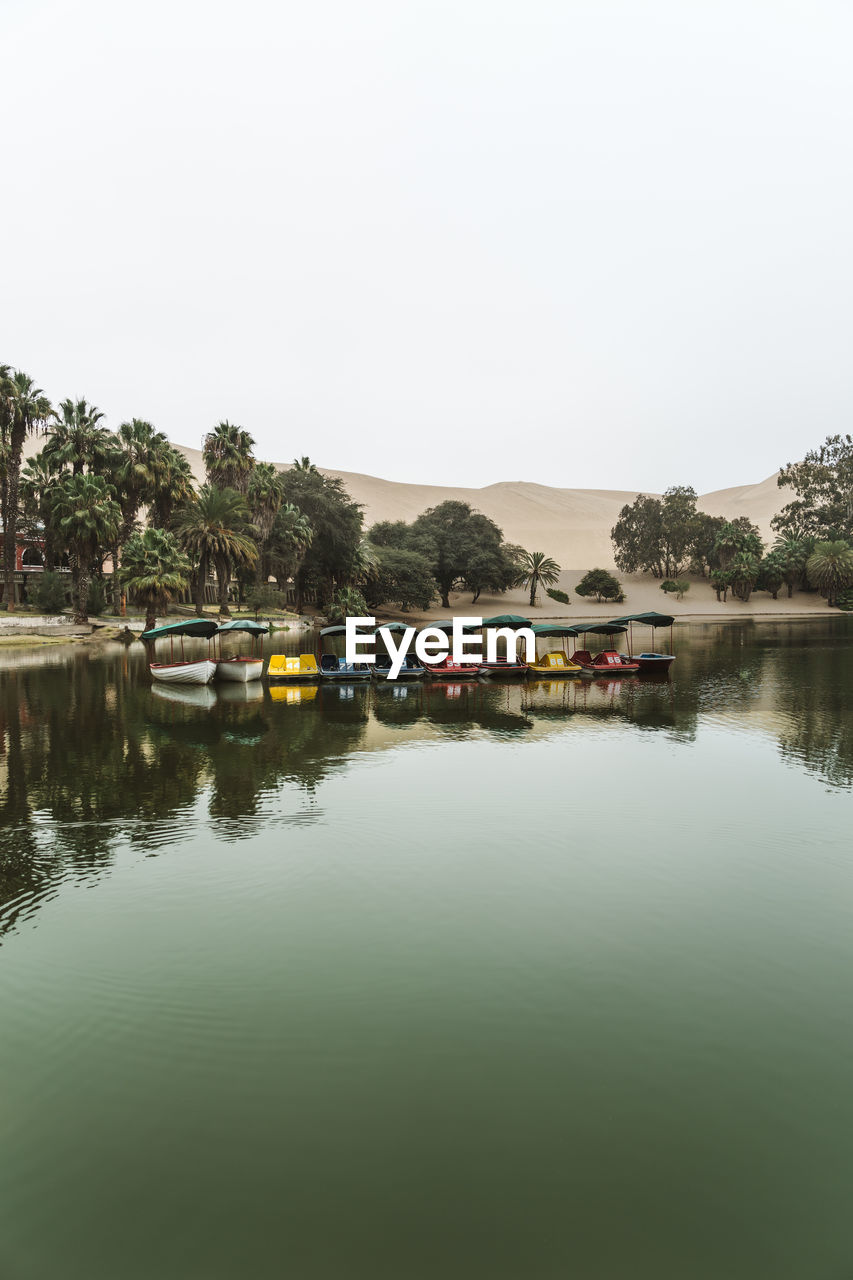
<point>583,243</point>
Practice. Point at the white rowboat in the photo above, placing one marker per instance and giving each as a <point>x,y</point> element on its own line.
<point>183,672</point>
<point>240,670</point>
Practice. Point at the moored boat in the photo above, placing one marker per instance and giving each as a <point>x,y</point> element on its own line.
<point>293,669</point>
<point>446,669</point>
<point>241,669</point>
<point>607,662</point>
<point>556,663</point>
<point>334,668</point>
<point>182,671</point>
<point>651,663</point>
<point>411,669</point>
<point>503,668</point>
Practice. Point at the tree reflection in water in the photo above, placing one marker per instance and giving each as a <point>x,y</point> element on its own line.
<point>91,756</point>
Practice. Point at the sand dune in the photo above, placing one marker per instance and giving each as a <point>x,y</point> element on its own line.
<point>572,525</point>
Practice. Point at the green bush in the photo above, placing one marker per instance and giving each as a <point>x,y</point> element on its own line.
<point>675,586</point>
<point>601,584</point>
<point>845,600</point>
<point>265,598</point>
<point>347,603</point>
<point>560,596</point>
<point>96,597</point>
<point>47,592</point>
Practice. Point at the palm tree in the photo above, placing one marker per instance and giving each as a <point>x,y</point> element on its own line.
<point>535,570</point>
<point>133,467</point>
<point>793,553</point>
<point>228,459</point>
<point>290,539</point>
<point>213,528</point>
<point>830,568</point>
<point>87,517</point>
<point>153,568</point>
<point>743,574</point>
<point>265,500</point>
<point>77,440</point>
<point>173,485</point>
<point>38,481</point>
<point>24,410</point>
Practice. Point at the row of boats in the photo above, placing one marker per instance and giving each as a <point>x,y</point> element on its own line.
<point>555,663</point>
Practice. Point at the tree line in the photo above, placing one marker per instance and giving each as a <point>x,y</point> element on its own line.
<point>91,494</point>
<point>812,550</point>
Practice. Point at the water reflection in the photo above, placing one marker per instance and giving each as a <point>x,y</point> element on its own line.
<point>90,753</point>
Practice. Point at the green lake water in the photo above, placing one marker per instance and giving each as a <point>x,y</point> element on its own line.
<point>492,982</point>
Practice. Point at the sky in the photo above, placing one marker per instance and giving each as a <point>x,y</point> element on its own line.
<point>588,244</point>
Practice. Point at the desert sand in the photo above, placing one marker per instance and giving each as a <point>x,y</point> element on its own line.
<point>572,525</point>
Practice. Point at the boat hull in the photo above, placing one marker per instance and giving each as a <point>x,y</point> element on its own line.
<point>654,662</point>
<point>240,670</point>
<point>504,670</point>
<point>183,672</point>
<point>451,672</point>
<point>346,673</point>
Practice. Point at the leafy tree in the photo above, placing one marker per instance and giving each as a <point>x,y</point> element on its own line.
<point>823,483</point>
<point>390,533</point>
<point>87,517</point>
<point>845,600</point>
<point>703,554</point>
<point>228,457</point>
<point>402,577</point>
<point>638,537</point>
<point>601,584</point>
<point>830,568</point>
<point>535,570</point>
<point>457,542</point>
<point>680,525</point>
<point>24,410</point>
<point>153,570</point>
<point>331,560</point>
<point>658,535</point>
<point>213,528</point>
<point>675,586</point>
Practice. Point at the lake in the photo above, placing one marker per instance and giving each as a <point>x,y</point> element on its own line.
<point>427,981</point>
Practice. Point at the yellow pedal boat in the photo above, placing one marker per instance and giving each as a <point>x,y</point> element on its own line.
<point>556,664</point>
<point>292,669</point>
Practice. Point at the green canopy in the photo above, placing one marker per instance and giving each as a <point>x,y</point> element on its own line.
<point>391,626</point>
<point>337,630</point>
<point>239,624</point>
<point>553,629</point>
<point>506,620</point>
<point>596,629</point>
<point>204,627</point>
<point>650,619</point>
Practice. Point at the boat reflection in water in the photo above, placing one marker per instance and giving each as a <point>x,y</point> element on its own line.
<point>187,695</point>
